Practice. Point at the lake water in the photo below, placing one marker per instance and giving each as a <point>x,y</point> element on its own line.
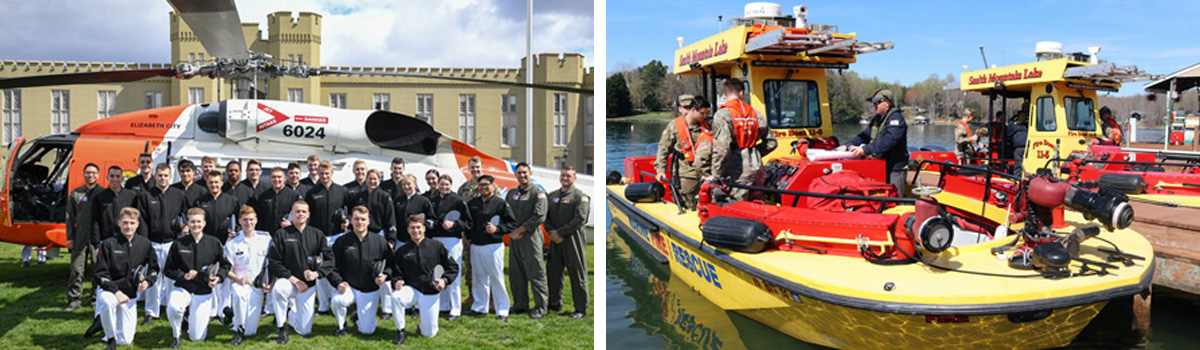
<point>650,308</point>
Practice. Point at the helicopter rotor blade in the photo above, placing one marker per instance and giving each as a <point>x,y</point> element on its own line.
<point>85,78</point>
<point>216,24</point>
<point>473,80</point>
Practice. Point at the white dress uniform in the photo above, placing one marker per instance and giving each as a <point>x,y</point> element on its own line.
<point>248,256</point>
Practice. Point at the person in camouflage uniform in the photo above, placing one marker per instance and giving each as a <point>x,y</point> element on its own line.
<point>741,136</point>
<point>684,146</point>
<point>963,139</point>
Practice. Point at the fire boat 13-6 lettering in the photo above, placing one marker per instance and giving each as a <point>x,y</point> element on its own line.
<point>700,267</point>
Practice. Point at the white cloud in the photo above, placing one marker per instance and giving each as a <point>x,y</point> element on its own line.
<point>470,33</point>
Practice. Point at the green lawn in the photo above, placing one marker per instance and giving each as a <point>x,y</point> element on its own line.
<point>660,115</point>
<point>31,317</point>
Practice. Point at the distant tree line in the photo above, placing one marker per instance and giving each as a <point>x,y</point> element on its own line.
<point>639,89</point>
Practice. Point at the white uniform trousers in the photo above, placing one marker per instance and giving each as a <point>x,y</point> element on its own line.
<point>158,294</point>
<point>487,278</point>
<point>451,297</point>
<point>247,306</point>
<point>200,306</point>
<point>367,303</point>
<point>119,320</point>
<point>386,301</point>
<point>427,304</point>
<point>302,318</point>
<point>325,291</point>
<point>221,298</point>
<point>27,253</point>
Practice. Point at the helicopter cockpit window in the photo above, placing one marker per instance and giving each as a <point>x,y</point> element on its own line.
<point>39,184</point>
<point>792,104</point>
<point>1080,116</point>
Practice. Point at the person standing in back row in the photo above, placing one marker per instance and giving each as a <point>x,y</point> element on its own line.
<point>79,233</point>
<point>682,138</point>
<point>164,208</point>
<point>526,265</point>
<point>565,219</point>
<point>327,202</point>
<point>741,136</point>
<point>886,137</point>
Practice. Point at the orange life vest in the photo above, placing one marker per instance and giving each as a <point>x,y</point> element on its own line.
<point>745,123</point>
<point>685,138</point>
<point>1116,130</point>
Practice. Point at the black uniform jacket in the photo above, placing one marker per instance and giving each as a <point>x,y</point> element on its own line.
<point>119,258</point>
<point>106,213</point>
<point>273,206</point>
<point>413,264</point>
<point>392,187</point>
<point>219,215</point>
<point>138,183</point>
<point>408,206</point>
<point>322,204</point>
<point>186,255</point>
<point>244,194</point>
<point>161,211</point>
<point>444,204</point>
<point>193,192</point>
<point>891,144</point>
<point>383,212</point>
<point>294,251</point>
<point>356,260</point>
<point>482,212</point>
<point>353,188</point>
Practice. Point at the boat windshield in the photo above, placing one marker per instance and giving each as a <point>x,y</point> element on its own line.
<point>792,104</point>
<point>1079,113</point>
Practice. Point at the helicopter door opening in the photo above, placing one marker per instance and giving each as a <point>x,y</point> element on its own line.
<point>39,183</point>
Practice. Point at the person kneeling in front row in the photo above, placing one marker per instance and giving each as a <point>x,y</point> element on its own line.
<point>248,254</point>
<point>360,271</point>
<point>125,266</point>
<point>420,270</point>
<point>197,264</point>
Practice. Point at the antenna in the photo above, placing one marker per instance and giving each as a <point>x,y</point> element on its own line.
<point>719,23</point>
<point>985,65</point>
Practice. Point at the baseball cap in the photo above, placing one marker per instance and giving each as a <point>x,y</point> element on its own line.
<point>881,94</point>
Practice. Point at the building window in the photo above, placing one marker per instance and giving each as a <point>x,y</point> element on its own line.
<point>300,58</point>
<point>425,108</point>
<point>295,95</point>
<point>153,99</point>
<point>560,119</point>
<point>588,111</point>
<point>60,111</point>
<point>201,57</point>
<point>466,118</point>
<point>382,102</point>
<point>560,162</point>
<point>106,104</point>
<point>12,115</point>
<point>337,101</point>
<point>589,165</point>
<point>195,95</point>
<point>508,113</point>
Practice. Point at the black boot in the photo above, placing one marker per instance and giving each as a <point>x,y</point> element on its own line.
<point>96,327</point>
<point>238,337</point>
<point>340,333</point>
<point>227,317</point>
<point>146,320</point>
<point>400,338</point>
<point>112,344</point>
<point>175,342</point>
<point>283,336</point>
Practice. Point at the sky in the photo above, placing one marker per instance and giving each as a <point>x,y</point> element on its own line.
<point>450,33</point>
<point>936,37</point>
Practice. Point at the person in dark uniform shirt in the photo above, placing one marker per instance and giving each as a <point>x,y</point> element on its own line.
<point>360,179</point>
<point>409,202</point>
<point>233,183</point>
<point>886,137</point>
<point>327,202</point>
<point>450,233</point>
<point>187,181</point>
<point>487,248</point>
<point>254,181</point>
<point>145,177</point>
<point>164,206</point>
<point>294,182</point>
<point>207,165</point>
<point>219,209</point>
<point>79,233</point>
<point>379,202</point>
<point>359,273</point>
<point>106,207</point>
<point>414,282</point>
<point>274,205</point>
<point>298,257</point>
<point>191,264</point>
<point>392,185</point>
<point>125,267</point>
<point>314,163</point>
<point>431,179</point>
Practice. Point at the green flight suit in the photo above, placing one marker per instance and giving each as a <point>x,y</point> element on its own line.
<point>526,265</point>
<point>568,214</point>
<point>79,231</point>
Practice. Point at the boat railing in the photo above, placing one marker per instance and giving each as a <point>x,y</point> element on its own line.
<point>798,194</point>
<point>944,168</point>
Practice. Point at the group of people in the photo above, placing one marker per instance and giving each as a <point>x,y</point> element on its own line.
<point>733,146</point>
<point>220,247</point>
<point>1016,132</point>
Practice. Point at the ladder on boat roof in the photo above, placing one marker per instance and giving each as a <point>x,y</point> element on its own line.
<point>780,41</point>
<point>1108,72</point>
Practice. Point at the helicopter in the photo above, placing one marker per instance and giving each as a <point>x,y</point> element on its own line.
<point>41,172</point>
